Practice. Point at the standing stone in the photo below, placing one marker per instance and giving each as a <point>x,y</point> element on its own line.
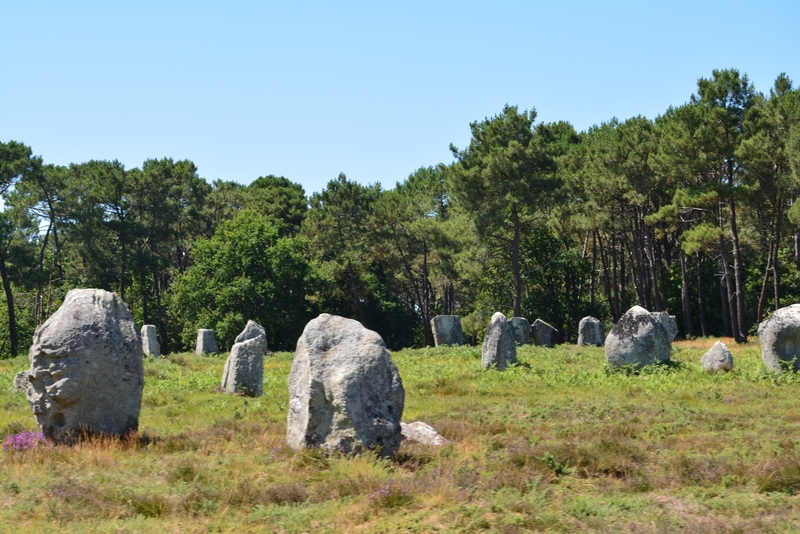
<point>780,339</point>
<point>206,342</point>
<point>591,332</point>
<point>499,347</point>
<point>423,433</point>
<point>447,330</point>
<point>344,390</point>
<point>718,358</point>
<point>521,328</point>
<point>668,322</point>
<point>87,370</point>
<point>21,382</point>
<point>543,334</point>
<point>637,340</point>
<point>150,344</point>
<point>244,368</point>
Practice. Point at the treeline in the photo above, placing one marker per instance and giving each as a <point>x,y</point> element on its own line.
<point>693,212</point>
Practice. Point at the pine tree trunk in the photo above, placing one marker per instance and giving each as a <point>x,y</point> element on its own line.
<point>738,273</point>
<point>685,302</point>
<point>701,303</point>
<point>515,269</point>
<point>12,315</point>
<point>762,296</point>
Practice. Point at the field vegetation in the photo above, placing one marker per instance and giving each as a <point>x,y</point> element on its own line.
<point>557,443</point>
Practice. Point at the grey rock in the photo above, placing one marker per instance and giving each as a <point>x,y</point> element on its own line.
<point>447,330</point>
<point>206,342</point>
<point>345,392</point>
<point>244,368</point>
<point>637,340</point>
<point>591,332</point>
<point>252,330</point>
<point>150,345</point>
<point>423,433</point>
<point>87,370</point>
<point>499,347</point>
<point>780,339</point>
<point>21,382</point>
<point>717,358</point>
<point>543,334</point>
<point>668,322</point>
<point>521,327</point>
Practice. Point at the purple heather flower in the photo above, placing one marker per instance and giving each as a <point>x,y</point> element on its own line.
<point>22,441</point>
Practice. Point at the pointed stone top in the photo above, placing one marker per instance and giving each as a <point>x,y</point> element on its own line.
<point>251,330</point>
<point>499,316</point>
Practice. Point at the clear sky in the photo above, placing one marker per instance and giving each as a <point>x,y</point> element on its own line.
<point>375,89</point>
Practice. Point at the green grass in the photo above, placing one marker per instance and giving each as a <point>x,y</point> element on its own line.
<point>555,444</point>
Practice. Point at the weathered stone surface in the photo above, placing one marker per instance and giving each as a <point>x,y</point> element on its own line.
<point>521,328</point>
<point>499,347</point>
<point>447,330</point>
<point>780,339</point>
<point>718,358</point>
<point>591,332</point>
<point>668,322</point>
<point>206,342</point>
<point>21,382</point>
<point>423,433</point>
<point>344,390</point>
<point>543,334</point>
<point>244,368</point>
<point>637,340</point>
<point>87,370</point>
<point>150,345</point>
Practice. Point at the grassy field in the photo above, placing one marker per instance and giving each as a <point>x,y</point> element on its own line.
<point>555,444</point>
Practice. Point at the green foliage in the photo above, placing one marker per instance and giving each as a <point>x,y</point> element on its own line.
<point>693,212</point>
<point>245,271</point>
<point>553,444</point>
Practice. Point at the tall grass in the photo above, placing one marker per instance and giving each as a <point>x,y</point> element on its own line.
<point>558,443</point>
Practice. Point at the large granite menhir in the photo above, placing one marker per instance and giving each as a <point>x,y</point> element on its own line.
<point>206,342</point>
<point>521,327</point>
<point>637,340</point>
<point>244,368</point>
<point>780,339</point>
<point>87,370</point>
<point>499,347</point>
<point>668,322</point>
<point>543,334</point>
<point>447,330</point>
<point>344,390</point>
<point>150,345</point>
<point>591,332</point>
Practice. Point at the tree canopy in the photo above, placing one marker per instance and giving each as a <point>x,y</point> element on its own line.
<point>693,212</point>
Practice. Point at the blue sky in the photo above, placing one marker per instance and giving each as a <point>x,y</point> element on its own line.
<point>372,89</point>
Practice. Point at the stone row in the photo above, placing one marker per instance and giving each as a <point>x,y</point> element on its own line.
<point>346,394</point>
